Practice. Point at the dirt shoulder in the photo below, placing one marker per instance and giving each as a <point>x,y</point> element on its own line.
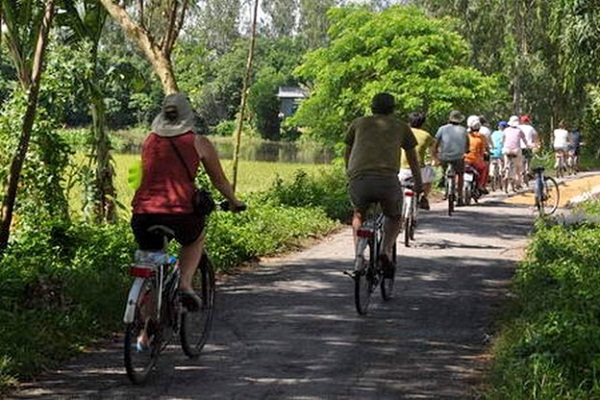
<point>288,328</point>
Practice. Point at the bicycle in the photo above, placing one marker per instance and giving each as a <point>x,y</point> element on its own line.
<point>496,174</point>
<point>560,164</point>
<point>572,162</point>
<point>410,211</point>
<point>154,313</point>
<point>450,187</point>
<point>367,273</point>
<point>509,174</point>
<point>547,194</point>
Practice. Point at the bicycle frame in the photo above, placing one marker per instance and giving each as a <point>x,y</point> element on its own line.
<point>142,271</point>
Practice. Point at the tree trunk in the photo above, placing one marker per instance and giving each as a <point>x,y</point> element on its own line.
<point>159,58</point>
<point>240,127</point>
<point>105,193</point>
<point>16,166</point>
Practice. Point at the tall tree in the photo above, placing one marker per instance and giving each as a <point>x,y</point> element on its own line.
<point>220,23</point>
<point>154,27</point>
<point>26,28</point>
<point>282,15</point>
<point>313,23</point>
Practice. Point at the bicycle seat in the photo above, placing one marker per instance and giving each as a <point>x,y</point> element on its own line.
<point>163,232</point>
<point>538,170</point>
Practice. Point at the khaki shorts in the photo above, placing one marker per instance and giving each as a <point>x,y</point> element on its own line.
<point>427,175</point>
<point>385,190</point>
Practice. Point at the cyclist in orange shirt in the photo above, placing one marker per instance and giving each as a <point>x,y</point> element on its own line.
<point>477,149</point>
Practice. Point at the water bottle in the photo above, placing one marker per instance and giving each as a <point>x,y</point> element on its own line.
<point>151,258</point>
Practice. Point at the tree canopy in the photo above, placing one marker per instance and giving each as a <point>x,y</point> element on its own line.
<point>399,50</point>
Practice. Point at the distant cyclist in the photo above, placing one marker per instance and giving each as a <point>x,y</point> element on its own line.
<point>561,139</point>
<point>476,154</point>
<point>425,144</point>
<point>511,148</point>
<point>575,145</point>
<point>531,143</point>
<point>372,158</point>
<point>497,137</point>
<point>452,142</point>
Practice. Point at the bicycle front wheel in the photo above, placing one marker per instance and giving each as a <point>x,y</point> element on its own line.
<point>407,221</point>
<point>142,342</point>
<point>196,325</point>
<point>451,194</point>
<point>363,277</point>
<point>550,197</point>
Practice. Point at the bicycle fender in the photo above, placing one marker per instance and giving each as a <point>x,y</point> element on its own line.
<point>134,292</point>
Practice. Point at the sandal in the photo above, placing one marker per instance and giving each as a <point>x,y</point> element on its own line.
<point>190,300</point>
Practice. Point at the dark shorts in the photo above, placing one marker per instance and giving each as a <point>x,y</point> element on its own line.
<point>186,229</point>
<point>459,166</point>
<point>385,190</point>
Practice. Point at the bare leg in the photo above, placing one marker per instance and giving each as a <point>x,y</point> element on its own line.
<point>357,220</point>
<point>391,229</point>
<point>459,187</point>
<point>189,258</point>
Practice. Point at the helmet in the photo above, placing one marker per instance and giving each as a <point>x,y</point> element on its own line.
<point>473,123</point>
<point>525,119</point>
<point>502,124</point>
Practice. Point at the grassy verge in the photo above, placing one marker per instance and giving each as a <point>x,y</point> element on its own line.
<point>549,345</point>
<point>62,286</point>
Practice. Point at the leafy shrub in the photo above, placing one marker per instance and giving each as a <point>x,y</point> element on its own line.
<point>550,343</point>
<point>262,230</point>
<point>326,190</point>
<point>61,286</point>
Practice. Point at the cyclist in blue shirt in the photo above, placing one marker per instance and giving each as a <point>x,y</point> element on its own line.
<point>497,137</point>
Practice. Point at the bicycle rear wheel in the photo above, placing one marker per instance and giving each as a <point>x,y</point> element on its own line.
<point>387,283</point>
<point>550,197</point>
<point>195,326</point>
<point>364,274</point>
<point>451,194</point>
<point>142,342</point>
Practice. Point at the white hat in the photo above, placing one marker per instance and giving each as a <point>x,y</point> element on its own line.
<point>513,121</point>
<point>473,122</point>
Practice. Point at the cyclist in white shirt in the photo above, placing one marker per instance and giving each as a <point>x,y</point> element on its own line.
<point>530,145</point>
<point>561,138</point>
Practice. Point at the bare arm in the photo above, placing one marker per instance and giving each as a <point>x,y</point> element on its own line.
<point>415,168</point>
<point>347,151</point>
<point>210,160</point>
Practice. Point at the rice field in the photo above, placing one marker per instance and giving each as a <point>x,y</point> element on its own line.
<point>252,175</point>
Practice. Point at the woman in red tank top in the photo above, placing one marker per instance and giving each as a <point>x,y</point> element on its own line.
<point>171,156</point>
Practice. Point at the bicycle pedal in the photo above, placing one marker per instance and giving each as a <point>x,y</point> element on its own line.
<point>351,273</point>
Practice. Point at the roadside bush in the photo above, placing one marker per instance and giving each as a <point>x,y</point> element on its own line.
<point>326,190</point>
<point>61,287</point>
<point>549,346</point>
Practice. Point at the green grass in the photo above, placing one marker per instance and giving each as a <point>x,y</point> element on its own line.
<point>253,176</point>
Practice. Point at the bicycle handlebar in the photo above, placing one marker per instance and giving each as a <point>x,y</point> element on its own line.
<point>226,206</point>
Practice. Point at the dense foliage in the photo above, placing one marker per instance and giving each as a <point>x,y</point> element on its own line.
<point>549,346</point>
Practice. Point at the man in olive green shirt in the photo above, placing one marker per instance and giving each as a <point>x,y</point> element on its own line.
<point>372,159</point>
